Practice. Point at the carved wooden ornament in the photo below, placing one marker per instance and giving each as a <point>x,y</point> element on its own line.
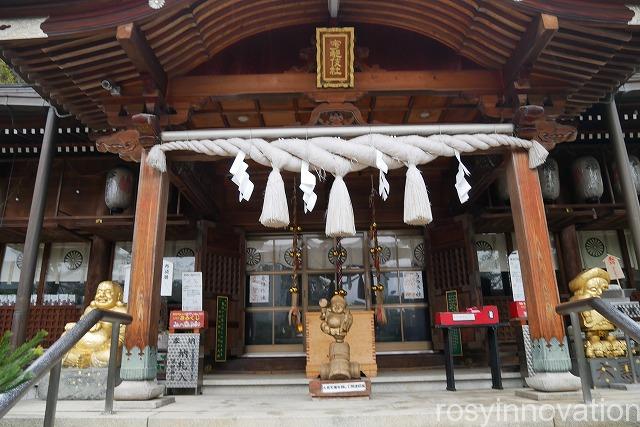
<point>531,123</point>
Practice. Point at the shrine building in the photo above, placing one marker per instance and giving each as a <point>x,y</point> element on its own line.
<point>395,152</point>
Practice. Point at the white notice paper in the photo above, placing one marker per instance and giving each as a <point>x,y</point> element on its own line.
<point>516,276</point>
<point>192,291</point>
<point>166,285</point>
<point>127,280</point>
<point>259,289</point>
<point>412,285</point>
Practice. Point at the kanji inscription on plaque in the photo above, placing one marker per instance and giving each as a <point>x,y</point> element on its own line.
<point>334,56</point>
<point>182,360</point>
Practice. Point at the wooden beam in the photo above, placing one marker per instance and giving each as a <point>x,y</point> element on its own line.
<point>538,34</point>
<point>137,48</point>
<point>192,88</point>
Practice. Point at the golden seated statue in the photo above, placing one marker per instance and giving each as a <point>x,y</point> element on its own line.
<point>599,343</point>
<point>93,349</point>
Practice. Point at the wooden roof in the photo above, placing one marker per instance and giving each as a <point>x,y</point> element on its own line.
<point>567,55</point>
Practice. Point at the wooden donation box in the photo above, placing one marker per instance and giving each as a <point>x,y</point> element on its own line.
<point>361,339</point>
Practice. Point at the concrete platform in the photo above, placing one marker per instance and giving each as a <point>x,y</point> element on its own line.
<point>493,408</point>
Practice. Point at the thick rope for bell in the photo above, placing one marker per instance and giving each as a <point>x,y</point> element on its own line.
<point>417,207</point>
<point>275,211</point>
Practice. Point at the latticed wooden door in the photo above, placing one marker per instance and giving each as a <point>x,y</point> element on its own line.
<point>221,258</point>
<point>453,266</point>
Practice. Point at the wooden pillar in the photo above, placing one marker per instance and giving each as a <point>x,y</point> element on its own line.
<point>549,344</point>
<point>570,248</point>
<point>99,266</point>
<point>140,346</point>
<point>32,239</point>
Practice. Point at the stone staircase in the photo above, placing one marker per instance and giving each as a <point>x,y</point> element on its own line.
<point>422,380</point>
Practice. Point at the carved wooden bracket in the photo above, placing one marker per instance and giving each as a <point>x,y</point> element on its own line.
<point>130,143</point>
<point>125,143</point>
<point>531,123</point>
<point>336,114</point>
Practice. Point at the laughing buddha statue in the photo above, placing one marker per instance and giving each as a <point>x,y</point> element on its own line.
<point>93,349</point>
<point>600,343</point>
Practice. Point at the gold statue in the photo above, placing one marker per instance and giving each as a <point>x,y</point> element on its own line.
<point>600,343</point>
<point>94,347</point>
<point>336,321</point>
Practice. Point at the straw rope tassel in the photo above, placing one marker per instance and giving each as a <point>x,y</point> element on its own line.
<point>340,221</point>
<point>417,207</point>
<point>275,211</point>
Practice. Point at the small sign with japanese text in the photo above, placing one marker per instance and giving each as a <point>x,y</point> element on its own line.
<point>183,360</point>
<point>613,267</point>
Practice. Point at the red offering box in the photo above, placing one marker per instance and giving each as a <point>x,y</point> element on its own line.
<point>487,315</point>
<point>187,320</point>
<point>517,310</point>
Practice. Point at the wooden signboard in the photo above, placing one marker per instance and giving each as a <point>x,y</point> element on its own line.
<point>221,328</point>
<point>454,335</point>
<point>361,339</point>
<point>334,57</point>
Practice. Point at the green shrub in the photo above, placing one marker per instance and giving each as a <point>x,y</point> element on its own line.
<point>13,363</point>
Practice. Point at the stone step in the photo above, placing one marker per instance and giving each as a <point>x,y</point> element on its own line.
<point>385,382</point>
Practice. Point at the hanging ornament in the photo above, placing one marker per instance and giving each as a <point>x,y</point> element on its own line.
<point>240,177</point>
<point>462,185</point>
<point>307,185</point>
<point>339,254</point>
<point>294,316</point>
<point>383,184</point>
<point>376,253</point>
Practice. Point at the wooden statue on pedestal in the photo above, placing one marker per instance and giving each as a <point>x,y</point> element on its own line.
<point>336,321</point>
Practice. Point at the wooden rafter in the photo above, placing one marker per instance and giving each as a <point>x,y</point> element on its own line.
<point>135,45</point>
<point>537,36</point>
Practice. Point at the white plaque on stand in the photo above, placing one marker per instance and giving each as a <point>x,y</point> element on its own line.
<point>192,291</point>
<point>166,285</point>
<point>517,286</point>
<point>127,280</point>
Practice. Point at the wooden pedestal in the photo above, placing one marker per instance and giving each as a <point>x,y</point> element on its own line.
<point>361,339</point>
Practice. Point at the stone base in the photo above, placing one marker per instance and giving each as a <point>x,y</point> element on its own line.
<point>552,395</point>
<point>78,384</point>
<point>624,386</point>
<point>337,388</point>
<point>138,390</point>
<point>144,404</point>
<point>554,381</point>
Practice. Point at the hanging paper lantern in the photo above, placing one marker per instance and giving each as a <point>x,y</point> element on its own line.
<point>587,179</point>
<point>118,191</point>
<point>549,175</point>
<point>634,166</point>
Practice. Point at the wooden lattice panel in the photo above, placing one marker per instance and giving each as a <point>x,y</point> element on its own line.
<point>361,339</point>
<point>50,318</point>
<point>223,274</point>
<point>450,268</point>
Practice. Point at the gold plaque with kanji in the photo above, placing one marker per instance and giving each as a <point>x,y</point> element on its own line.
<point>334,47</point>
